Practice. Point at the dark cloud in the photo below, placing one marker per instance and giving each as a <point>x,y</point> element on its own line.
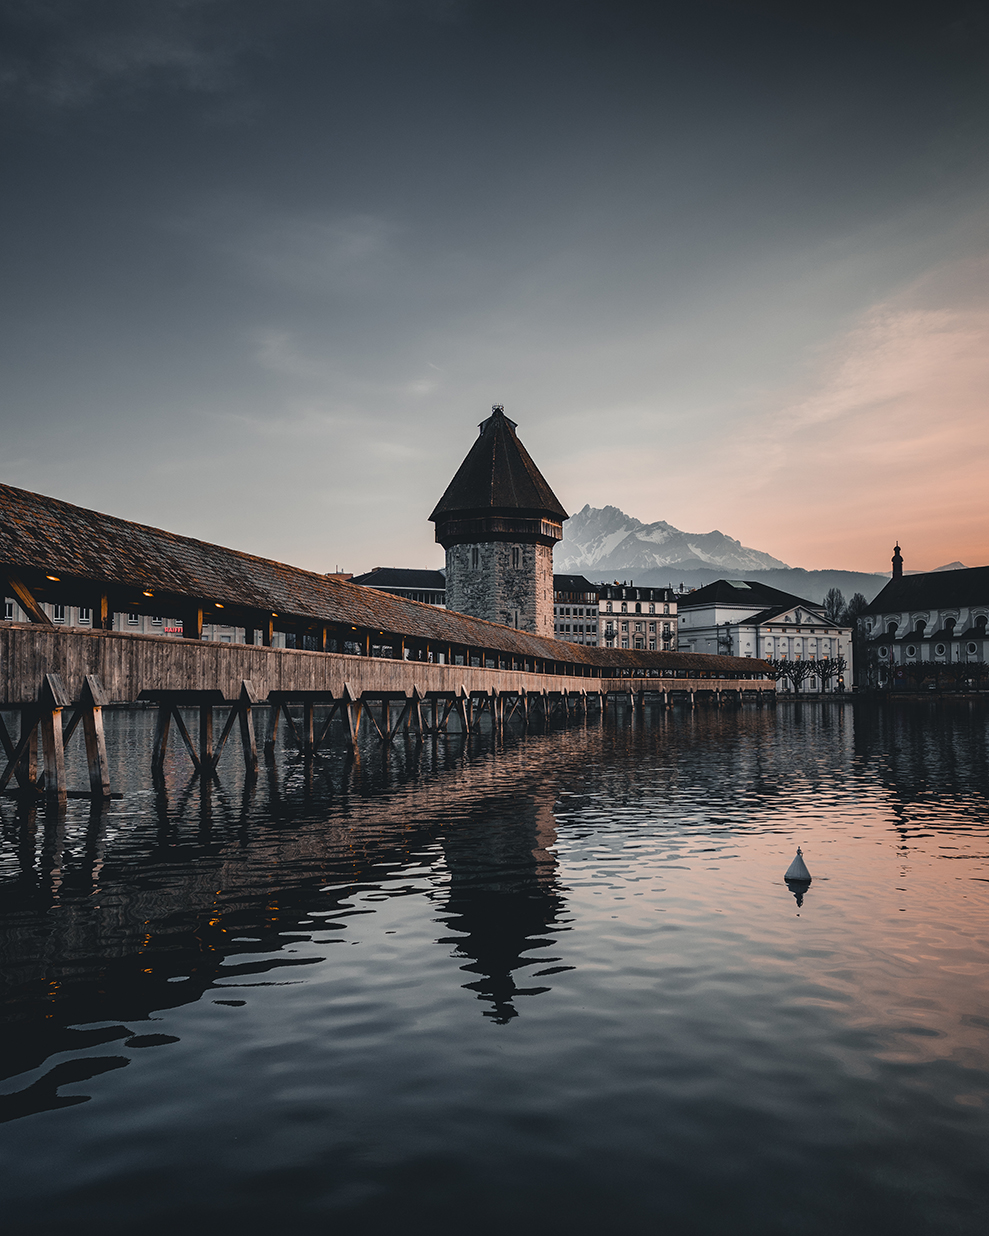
<point>305,245</point>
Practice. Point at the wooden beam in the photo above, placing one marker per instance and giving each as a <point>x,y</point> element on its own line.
<point>102,613</point>
<point>92,701</point>
<point>248,697</point>
<point>192,622</point>
<point>26,601</point>
<point>52,698</point>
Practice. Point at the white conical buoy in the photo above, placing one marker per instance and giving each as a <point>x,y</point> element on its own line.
<point>797,870</point>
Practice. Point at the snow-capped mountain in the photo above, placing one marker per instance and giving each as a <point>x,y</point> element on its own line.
<point>605,541</point>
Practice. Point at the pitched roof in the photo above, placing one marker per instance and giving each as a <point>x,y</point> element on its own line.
<point>400,577</point>
<point>573,583</point>
<point>933,590</point>
<point>743,592</point>
<point>498,475</point>
<point>41,538</point>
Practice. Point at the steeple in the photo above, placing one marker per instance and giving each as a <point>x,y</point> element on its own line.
<point>498,522</point>
<point>497,477</point>
<point>897,562</point>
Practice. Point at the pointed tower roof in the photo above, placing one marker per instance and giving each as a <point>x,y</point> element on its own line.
<point>498,475</point>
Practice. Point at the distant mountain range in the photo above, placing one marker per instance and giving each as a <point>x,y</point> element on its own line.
<point>603,543</point>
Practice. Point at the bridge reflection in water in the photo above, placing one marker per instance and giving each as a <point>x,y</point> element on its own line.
<point>114,911</point>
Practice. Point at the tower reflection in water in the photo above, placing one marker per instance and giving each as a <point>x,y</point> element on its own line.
<point>505,902</point>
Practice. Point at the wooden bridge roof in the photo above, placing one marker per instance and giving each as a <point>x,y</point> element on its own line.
<point>88,552</point>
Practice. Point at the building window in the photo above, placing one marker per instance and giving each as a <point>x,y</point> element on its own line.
<point>652,645</point>
<point>625,643</point>
<point>638,608</point>
<point>156,622</point>
<point>85,615</point>
<point>133,619</point>
<point>939,649</point>
<point>607,608</point>
<point>652,608</point>
<point>58,613</point>
<point>8,610</point>
<point>973,648</point>
<point>624,608</point>
<point>625,627</point>
<point>475,558</point>
<point>652,628</point>
<point>515,557</point>
<point>666,609</point>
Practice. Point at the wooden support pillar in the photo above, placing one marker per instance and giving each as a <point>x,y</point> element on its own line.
<point>91,702</point>
<point>52,698</point>
<point>463,709</point>
<point>162,727</point>
<point>352,708</point>
<point>308,731</point>
<point>322,638</point>
<point>267,631</point>
<point>413,718</point>
<point>274,714</point>
<point>248,697</point>
<point>206,735</point>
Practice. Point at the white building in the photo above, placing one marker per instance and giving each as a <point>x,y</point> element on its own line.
<point>744,618</point>
<point>641,618</point>
<point>938,618</point>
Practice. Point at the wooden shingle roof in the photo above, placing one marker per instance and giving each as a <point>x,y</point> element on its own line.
<point>498,476</point>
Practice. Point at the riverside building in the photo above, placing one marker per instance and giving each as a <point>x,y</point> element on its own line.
<point>932,619</point>
<point>746,618</point>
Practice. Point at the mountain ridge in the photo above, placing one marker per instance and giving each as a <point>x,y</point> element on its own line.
<point>603,543</point>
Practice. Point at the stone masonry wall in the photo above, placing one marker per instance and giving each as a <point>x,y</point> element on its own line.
<point>497,590</point>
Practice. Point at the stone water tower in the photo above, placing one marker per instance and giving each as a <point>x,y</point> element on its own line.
<point>498,522</point>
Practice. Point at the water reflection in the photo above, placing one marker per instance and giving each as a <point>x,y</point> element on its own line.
<point>504,897</point>
<point>401,979</point>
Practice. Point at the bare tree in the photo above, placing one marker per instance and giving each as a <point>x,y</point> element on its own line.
<point>828,669</point>
<point>798,672</point>
<point>795,672</point>
<point>834,605</point>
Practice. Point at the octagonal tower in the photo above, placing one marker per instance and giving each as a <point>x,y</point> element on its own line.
<point>498,522</point>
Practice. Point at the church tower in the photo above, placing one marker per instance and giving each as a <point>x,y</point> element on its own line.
<point>498,522</point>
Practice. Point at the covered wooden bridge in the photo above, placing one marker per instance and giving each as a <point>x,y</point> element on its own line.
<point>371,658</point>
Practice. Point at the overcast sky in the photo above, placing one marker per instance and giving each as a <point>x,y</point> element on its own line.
<point>267,265</point>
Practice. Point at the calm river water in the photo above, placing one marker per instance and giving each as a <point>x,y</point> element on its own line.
<point>546,985</point>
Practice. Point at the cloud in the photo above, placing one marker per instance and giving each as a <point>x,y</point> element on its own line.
<point>892,437</point>
<point>60,54</point>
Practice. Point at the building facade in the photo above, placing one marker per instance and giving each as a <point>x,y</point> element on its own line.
<point>575,609</point>
<point>640,618</point>
<point>745,618</point>
<point>922,626</point>
<point>498,522</point>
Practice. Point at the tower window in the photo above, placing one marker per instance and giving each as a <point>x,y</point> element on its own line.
<point>475,558</point>
<point>515,557</point>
